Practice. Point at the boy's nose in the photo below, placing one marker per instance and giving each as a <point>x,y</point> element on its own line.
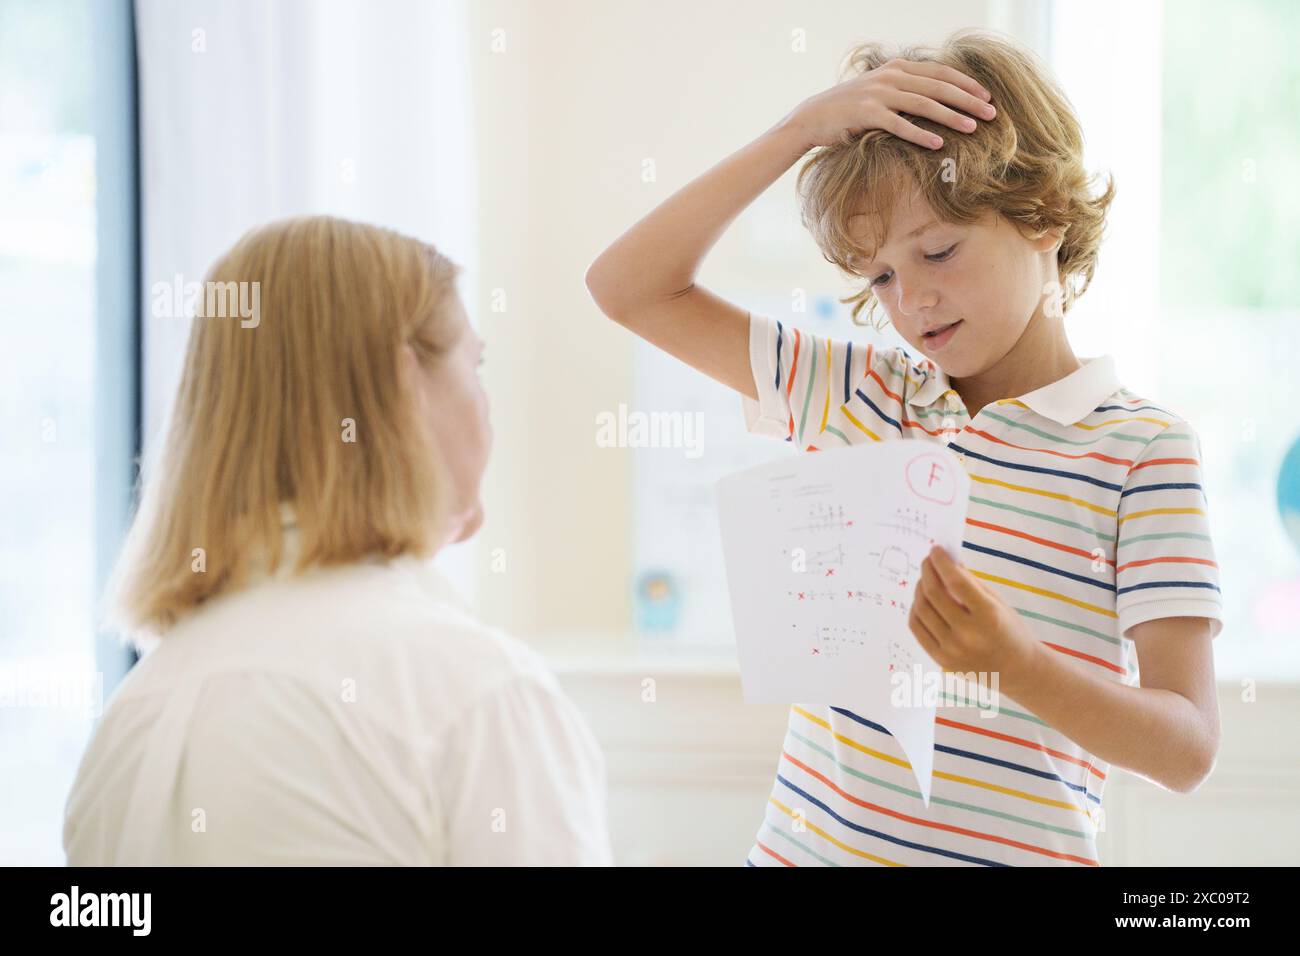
<point>919,317</point>
<point>915,302</point>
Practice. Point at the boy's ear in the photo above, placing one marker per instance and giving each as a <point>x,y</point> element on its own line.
<point>1052,239</point>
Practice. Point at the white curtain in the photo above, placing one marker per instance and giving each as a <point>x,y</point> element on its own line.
<point>253,110</point>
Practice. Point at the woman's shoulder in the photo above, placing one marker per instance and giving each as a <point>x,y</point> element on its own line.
<point>385,622</point>
<point>442,618</point>
<point>391,640</point>
<point>405,616</point>
<point>433,648</point>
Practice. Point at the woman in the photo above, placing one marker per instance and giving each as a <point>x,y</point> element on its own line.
<point>313,691</point>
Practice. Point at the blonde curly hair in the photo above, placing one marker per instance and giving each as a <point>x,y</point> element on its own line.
<point>1026,164</point>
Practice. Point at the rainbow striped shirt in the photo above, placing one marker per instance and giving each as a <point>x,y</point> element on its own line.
<point>1086,515</point>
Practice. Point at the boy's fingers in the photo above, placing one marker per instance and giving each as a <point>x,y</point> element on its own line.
<point>947,74</point>
<point>927,640</point>
<point>957,579</point>
<point>932,587</point>
<point>921,104</point>
<point>929,615</point>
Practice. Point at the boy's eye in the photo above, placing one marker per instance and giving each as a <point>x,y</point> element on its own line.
<point>936,257</point>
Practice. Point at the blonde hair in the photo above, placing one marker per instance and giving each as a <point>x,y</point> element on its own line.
<point>261,413</point>
<point>1026,164</point>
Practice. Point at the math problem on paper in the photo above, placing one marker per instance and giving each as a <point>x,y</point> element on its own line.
<point>823,552</point>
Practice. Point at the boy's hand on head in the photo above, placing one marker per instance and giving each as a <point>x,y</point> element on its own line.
<point>874,100</point>
<point>963,625</point>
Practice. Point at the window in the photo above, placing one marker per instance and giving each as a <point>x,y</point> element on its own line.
<point>66,375</point>
<point>1197,292</point>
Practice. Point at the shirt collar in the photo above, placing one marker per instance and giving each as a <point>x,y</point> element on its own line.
<point>1066,401</point>
<point>436,581</point>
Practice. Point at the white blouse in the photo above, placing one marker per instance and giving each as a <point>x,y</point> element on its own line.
<point>357,715</point>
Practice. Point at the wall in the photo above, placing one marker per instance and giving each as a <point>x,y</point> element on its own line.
<point>571,99</point>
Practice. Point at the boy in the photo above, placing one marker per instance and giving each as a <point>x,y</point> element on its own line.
<point>1086,535</point>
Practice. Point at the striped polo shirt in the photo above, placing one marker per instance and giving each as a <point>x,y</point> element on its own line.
<point>1087,516</point>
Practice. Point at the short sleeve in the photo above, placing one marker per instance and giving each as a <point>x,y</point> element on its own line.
<point>524,781</point>
<point>1164,560</point>
<point>800,378</point>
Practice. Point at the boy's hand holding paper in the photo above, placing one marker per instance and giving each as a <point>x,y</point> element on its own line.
<point>963,626</point>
